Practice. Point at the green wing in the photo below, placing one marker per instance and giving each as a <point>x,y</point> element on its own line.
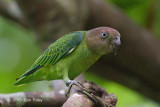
<point>55,52</point>
<point>59,49</point>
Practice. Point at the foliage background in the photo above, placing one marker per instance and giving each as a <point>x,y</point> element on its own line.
<point>18,50</point>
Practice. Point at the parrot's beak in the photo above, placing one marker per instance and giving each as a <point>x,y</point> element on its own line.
<point>115,44</point>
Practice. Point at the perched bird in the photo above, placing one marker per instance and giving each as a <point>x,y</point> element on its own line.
<point>71,55</point>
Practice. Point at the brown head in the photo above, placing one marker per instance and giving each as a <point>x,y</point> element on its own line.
<point>103,40</point>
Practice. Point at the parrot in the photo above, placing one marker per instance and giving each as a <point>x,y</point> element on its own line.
<point>71,55</point>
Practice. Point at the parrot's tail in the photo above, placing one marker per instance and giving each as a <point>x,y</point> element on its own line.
<point>21,81</point>
<point>26,77</point>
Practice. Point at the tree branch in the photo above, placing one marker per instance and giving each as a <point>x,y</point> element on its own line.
<point>32,99</point>
<point>77,98</point>
<point>98,98</point>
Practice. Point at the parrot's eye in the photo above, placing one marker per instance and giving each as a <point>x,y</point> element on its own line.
<point>104,34</point>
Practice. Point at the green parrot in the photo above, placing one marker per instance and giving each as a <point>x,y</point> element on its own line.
<point>71,55</point>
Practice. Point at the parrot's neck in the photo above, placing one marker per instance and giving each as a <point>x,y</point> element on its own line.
<point>85,56</point>
<point>92,56</point>
<point>82,59</point>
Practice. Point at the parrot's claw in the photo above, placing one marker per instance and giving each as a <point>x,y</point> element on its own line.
<point>85,91</point>
<point>91,96</point>
<point>69,84</point>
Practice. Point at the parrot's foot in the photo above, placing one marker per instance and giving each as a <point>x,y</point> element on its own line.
<point>85,91</point>
<point>69,84</point>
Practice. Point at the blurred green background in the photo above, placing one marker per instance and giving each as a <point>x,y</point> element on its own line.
<point>18,50</point>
